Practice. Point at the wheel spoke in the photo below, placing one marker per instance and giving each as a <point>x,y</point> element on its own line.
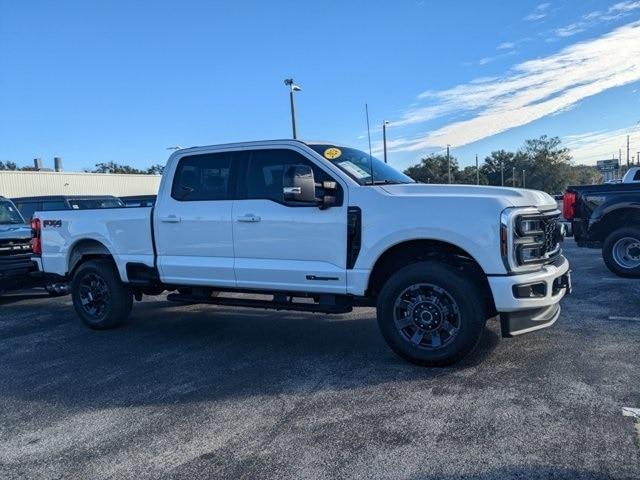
<point>447,327</point>
<point>417,336</point>
<point>405,304</point>
<point>404,322</point>
<point>436,341</point>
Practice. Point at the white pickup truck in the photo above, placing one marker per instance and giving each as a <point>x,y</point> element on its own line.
<point>323,228</point>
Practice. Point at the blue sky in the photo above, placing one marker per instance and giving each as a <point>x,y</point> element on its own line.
<point>95,81</point>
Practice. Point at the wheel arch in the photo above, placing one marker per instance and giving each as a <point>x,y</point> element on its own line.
<point>83,250</point>
<point>407,252</point>
<point>615,218</point>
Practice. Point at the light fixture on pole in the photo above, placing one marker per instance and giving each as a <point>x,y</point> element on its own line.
<point>292,88</point>
<point>384,138</point>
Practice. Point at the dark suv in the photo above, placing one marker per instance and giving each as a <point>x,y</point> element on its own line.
<point>29,205</point>
<point>17,270</point>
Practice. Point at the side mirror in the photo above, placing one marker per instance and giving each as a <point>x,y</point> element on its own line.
<point>298,184</point>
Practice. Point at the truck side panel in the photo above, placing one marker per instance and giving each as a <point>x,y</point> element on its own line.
<point>125,232</point>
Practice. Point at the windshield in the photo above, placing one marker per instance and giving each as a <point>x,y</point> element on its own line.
<point>9,214</point>
<point>358,165</point>
<point>92,203</point>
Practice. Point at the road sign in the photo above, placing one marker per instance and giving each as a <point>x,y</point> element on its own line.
<point>608,165</point>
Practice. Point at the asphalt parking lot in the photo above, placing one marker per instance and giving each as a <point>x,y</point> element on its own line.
<point>214,392</point>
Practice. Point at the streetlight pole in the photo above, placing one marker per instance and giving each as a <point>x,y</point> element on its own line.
<point>523,179</point>
<point>477,171</point>
<point>292,88</point>
<point>501,174</point>
<point>384,139</point>
<point>513,176</point>
<point>449,162</point>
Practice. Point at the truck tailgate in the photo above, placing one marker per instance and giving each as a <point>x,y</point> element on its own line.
<point>124,232</point>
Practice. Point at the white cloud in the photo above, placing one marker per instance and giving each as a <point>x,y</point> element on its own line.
<point>571,29</point>
<point>587,148</point>
<point>532,90</point>
<point>506,46</point>
<point>614,12</point>
<point>538,13</point>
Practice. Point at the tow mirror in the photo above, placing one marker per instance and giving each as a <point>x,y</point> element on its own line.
<point>298,184</point>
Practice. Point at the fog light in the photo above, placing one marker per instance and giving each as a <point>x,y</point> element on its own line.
<point>531,290</point>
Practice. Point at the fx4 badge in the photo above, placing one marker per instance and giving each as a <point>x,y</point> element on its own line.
<point>52,223</point>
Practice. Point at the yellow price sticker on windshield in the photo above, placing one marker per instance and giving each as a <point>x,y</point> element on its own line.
<point>332,153</point>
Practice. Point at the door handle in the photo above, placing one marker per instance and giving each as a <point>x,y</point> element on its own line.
<point>170,219</point>
<point>249,218</point>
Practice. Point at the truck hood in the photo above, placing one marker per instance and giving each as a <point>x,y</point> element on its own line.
<point>515,197</point>
<point>15,232</point>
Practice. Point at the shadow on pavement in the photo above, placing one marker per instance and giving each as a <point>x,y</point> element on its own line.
<point>189,354</point>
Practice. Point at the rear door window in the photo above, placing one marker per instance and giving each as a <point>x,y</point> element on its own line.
<point>203,177</point>
<point>27,209</point>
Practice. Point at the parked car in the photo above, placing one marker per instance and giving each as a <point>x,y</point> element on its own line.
<point>607,216</point>
<point>17,269</point>
<point>46,203</point>
<point>321,228</point>
<point>632,175</point>
<point>139,201</point>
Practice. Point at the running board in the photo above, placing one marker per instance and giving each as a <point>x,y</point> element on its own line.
<point>268,304</point>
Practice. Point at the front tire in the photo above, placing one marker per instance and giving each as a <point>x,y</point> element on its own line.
<point>430,314</point>
<point>621,252</point>
<point>100,298</point>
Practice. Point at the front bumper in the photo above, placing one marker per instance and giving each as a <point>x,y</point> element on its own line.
<point>520,314</point>
<point>19,271</point>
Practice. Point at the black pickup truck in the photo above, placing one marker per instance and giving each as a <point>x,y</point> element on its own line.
<point>607,216</point>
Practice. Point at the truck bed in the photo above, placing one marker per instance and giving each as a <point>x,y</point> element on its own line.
<point>125,232</point>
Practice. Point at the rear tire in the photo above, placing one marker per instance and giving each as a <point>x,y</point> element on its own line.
<point>621,252</point>
<point>430,314</point>
<point>100,298</point>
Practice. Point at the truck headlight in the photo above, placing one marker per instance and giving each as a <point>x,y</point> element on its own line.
<point>529,238</point>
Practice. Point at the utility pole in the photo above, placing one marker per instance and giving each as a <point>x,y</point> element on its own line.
<point>513,176</point>
<point>292,88</point>
<point>384,138</point>
<point>477,171</point>
<point>523,179</point>
<point>638,157</point>
<point>627,151</point>
<point>501,174</point>
<point>449,162</point>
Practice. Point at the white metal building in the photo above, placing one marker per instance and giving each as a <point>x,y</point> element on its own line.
<point>26,183</point>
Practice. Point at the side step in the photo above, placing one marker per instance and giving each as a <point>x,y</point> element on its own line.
<point>329,307</point>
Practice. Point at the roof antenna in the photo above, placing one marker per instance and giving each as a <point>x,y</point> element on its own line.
<point>366,109</point>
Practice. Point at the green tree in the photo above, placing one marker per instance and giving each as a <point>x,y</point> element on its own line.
<point>156,169</point>
<point>468,176</point>
<point>113,167</point>
<point>547,164</point>
<point>433,169</point>
<point>585,175</point>
<point>8,166</point>
<point>498,163</point>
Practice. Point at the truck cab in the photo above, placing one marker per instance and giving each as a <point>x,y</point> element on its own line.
<point>320,227</point>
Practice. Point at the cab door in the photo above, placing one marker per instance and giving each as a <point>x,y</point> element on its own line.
<point>193,223</point>
<point>284,246</point>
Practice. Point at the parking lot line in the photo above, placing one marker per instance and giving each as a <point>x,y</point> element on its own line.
<point>626,319</point>
<point>631,412</point>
